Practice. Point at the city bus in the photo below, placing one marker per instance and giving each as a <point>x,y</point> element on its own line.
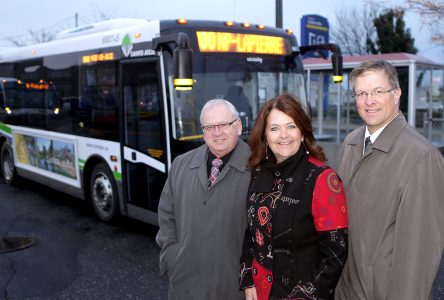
<point>101,111</point>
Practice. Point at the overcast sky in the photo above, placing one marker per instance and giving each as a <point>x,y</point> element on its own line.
<point>19,16</point>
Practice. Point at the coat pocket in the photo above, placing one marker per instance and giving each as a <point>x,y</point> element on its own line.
<point>169,258</point>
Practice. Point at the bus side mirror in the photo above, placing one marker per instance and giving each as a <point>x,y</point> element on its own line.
<point>336,61</point>
<point>183,70</point>
<point>182,58</point>
<point>336,58</point>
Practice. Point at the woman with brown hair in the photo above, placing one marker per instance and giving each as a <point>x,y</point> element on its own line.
<point>295,245</point>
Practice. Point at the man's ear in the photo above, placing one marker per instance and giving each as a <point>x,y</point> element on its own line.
<point>398,94</point>
<point>238,124</point>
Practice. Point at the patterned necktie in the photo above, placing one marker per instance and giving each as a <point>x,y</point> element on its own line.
<point>367,143</point>
<point>215,165</point>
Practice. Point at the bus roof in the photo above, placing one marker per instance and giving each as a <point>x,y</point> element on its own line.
<point>117,32</point>
<point>97,36</point>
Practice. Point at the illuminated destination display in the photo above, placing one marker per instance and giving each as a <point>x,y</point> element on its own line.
<point>210,41</point>
<point>37,86</point>
<point>97,57</point>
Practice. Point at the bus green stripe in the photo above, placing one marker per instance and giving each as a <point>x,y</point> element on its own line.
<point>81,164</point>
<point>5,128</point>
<point>117,176</point>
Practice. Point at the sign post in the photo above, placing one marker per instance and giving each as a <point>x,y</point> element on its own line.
<point>314,31</point>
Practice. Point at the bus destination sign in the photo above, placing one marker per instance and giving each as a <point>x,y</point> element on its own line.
<point>211,41</point>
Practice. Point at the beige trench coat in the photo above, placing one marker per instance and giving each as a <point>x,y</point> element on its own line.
<point>395,199</point>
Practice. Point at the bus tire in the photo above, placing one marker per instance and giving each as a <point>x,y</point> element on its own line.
<point>7,164</point>
<point>103,193</point>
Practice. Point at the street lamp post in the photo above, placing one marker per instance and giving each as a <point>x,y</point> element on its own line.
<point>279,14</point>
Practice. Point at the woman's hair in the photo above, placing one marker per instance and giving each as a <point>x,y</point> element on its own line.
<point>292,108</point>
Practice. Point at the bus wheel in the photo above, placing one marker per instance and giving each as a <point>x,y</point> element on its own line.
<point>7,163</point>
<point>103,193</point>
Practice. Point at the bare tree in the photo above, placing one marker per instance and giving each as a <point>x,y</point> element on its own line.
<point>432,15</point>
<point>16,41</point>
<point>41,36</point>
<point>354,30</point>
<point>35,36</point>
<point>98,14</point>
<point>49,33</point>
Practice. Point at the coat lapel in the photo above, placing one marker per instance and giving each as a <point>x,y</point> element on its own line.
<point>389,135</point>
<point>237,160</point>
<point>357,147</point>
<point>383,143</point>
<point>199,164</point>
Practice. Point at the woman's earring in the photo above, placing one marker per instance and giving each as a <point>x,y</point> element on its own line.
<point>306,150</point>
<point>266,151</point>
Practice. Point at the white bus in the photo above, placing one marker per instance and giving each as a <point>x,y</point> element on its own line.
<point>101,111</point>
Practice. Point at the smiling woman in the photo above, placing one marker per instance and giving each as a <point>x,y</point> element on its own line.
<point>296,210</point>
<point>282,135</point>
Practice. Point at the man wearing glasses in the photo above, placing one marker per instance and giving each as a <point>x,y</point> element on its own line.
<point>393,179</point>
<point>202,210</point>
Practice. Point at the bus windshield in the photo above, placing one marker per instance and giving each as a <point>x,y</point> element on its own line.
<point>248,91</point>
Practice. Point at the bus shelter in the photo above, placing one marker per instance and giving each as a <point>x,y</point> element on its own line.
<point>334,112</point>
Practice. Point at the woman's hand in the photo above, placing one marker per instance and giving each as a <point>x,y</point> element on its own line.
<point>250,293</point>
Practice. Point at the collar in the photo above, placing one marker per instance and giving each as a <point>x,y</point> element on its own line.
<point>224,158</point>
<point>238,158</point>
<point>387,137</point>
<point>375,134</point>
<point>289,163</point>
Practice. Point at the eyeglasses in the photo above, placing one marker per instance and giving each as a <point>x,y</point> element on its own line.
<point>376,94</point>
<point>222,126</point>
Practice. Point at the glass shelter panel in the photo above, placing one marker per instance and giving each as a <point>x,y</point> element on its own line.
<point>422,99</point>
<point>332,106</point>
<point>429,103</point>
<point>437,104</point>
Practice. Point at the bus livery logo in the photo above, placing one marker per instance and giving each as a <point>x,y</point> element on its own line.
<point>126,45</point>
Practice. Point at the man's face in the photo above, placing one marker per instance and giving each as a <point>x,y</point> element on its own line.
<point>220,139</point>
<point>376,100</point>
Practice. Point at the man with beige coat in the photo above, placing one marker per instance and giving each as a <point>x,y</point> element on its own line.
<point>394,189</point>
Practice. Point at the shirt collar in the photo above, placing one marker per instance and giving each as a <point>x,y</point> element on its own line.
<point>375,134</point>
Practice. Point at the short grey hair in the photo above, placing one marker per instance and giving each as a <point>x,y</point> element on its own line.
<point>215,102</point>
<point>376,65</point>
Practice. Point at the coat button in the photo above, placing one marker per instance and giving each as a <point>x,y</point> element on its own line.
<point>254,271</point>
<point>269,278</point>
<point>277,173</point>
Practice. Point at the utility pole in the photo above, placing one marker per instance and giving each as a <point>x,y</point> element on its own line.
<point>279,13</point>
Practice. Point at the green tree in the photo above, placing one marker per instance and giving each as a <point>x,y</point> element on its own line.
<point>393,36</point>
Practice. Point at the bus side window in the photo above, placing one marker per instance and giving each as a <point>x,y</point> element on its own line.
<point>98,108</point>
<point>2,97</point>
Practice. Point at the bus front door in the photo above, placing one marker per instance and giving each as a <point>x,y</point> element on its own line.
<point>143,138</point>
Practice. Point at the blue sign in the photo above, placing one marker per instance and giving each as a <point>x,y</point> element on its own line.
<point>314,30</point>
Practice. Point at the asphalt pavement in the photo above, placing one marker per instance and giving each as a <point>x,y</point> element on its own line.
<point>75,256</point>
